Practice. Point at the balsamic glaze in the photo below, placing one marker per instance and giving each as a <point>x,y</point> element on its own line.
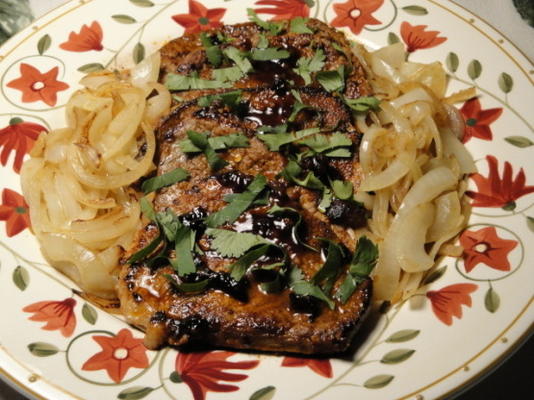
<point>235,180</point>
<point>195,219</point>
<point>221,281</point>
<point>347,213</point>
<point>304,304</point>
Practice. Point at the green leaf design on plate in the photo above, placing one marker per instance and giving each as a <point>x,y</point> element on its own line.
<point>415,10</point>
<point>492,300</point>
<point>403,336</point>
<point>474,69</point>
<point>139,53</point>
<point>393,38</point>
<point>506,82</point>
<point>42,349</point>
<point>519,141</point>
<point>124,19</point>
<point>21,278</point>
<point>434,275</point>
<point>142,3</point>
<point>378,381</point>
<point>397,356</point>
<point>175,377</point>
<point>266,393</point>
<point>44,44</point>
<point>135,393</point>
<point>452,61</point>
<point>530,223</point>
<point>92,67</point>
<point>89,314</point>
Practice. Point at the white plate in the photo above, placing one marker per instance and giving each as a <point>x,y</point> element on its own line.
<point>416,351</point>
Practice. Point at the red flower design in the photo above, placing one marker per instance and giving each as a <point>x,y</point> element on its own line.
<point>319,366</point>
<point>202,372</point>
<point>417,38</point>
<point>200,18</point>
<point>19,136</point>
<point>14,211</point>
<point>284,9</point>
<point>36,86</point>
<point>484,246</point>
<point>447,302</point>
<point>89,38</point>
<point>119,354</point>
<point>58,315</point>
<point>478,120</point>
<point>494,191</point>
<point>355,14</point>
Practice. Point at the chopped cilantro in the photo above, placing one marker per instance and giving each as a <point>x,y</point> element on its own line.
<point>230,74</point>
<point>169,222</point>
<point>217,143</point>
<point>295,232</point>
<point>326,200</point>
<point>331,268</point>
<point>147,209</point>
<point>146,251</point>
<point>170,178</point>
<point>184,243</point>
<point>274,28</point>
<point>292,173</point>
<point>183,82</point>
<point>307,65</point>
<point>273,129</point>
<point>304,288</point>
<point>275,140</point>
<point>239,58</point>
<point>263,42</point>
<point>240,203</point>
<point>239,268</point>
<point>213,53</point>
<point>233,244</point>
<point>298,25</point>
<point>343,190</point>
<point>327,144</point>
<point>230,99</point>
<point>363,104</point>
<point>332,81</point>
<point>188,287</point>
<point>200,141</point>
<point>270,53</point>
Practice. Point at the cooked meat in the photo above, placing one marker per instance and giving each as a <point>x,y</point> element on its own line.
<point>242,313</point>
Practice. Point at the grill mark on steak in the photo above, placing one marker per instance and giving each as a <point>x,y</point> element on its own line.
<point>248,318</point>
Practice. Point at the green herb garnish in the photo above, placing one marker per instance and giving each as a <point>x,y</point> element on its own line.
<point>298,25</point>
<point>274,28</point>
<point>292,173</point>
<point>147,209</point>
<point>305,65</point>
<point>330,145</point>
<point>213,53</point>
<point>326,200</point>
<point>304,288</point>
<point>240,203</point>
<point>184,244</point>
<point>263,42</point>
<point>146,251</point>
<point>230,99</point>
<point>361,266</point>
<point>239,268</point>
<point>275,141</point>
<point>232,140</point>
<point>233,244</point>
<point>270,53</point>
<point>363,104</point>
<point>185,287</point>
<point>331,268</point>
<point>342,190</point>
<point>276,209</point>
<point>170,178</point>
<point>332,81</point>
<point>200,141</point>
<point>239,58</point>
<point>230,74</point>
<point>183,82</point>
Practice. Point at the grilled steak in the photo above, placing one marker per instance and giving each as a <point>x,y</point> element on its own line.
<point>260,309</point>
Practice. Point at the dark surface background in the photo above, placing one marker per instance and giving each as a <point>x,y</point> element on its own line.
<point>514,380</point>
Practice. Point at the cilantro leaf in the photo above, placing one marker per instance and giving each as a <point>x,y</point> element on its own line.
<point>298,25</point>
<point>362,264</point>
<point>147,209</point>
<point>304,288</point>
<point>275,141</point>
<point>229,99</point>
<point>273,129</point>
<point>188,287</point>
<point>295,234</point>
<point>213,53</point>
<point>263,42</point>
<point>239,204</point>
<point>293,171</point>
<point>230,74</point>
<point>232,140</point>
<point>170,178</point>
<point>183,82</point>
<point>326,200</point>
<point>147,250</point>
<point>270,53</point>
<point>343,190</point>
<point>305,65</point>
<point>363,104</point>
<point>328,143</point>
<point>239,59</point>
<point>239,268</point>
<point>331,268</point>
<point>184,243</point>
<point>365,258</point>
<point>169,222</point>
<point>274,28</point>
<point>332,81</point>
<point>200,141</point>
<point>233,244</point>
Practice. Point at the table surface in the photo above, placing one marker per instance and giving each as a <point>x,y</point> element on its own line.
<point>512,380</point>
